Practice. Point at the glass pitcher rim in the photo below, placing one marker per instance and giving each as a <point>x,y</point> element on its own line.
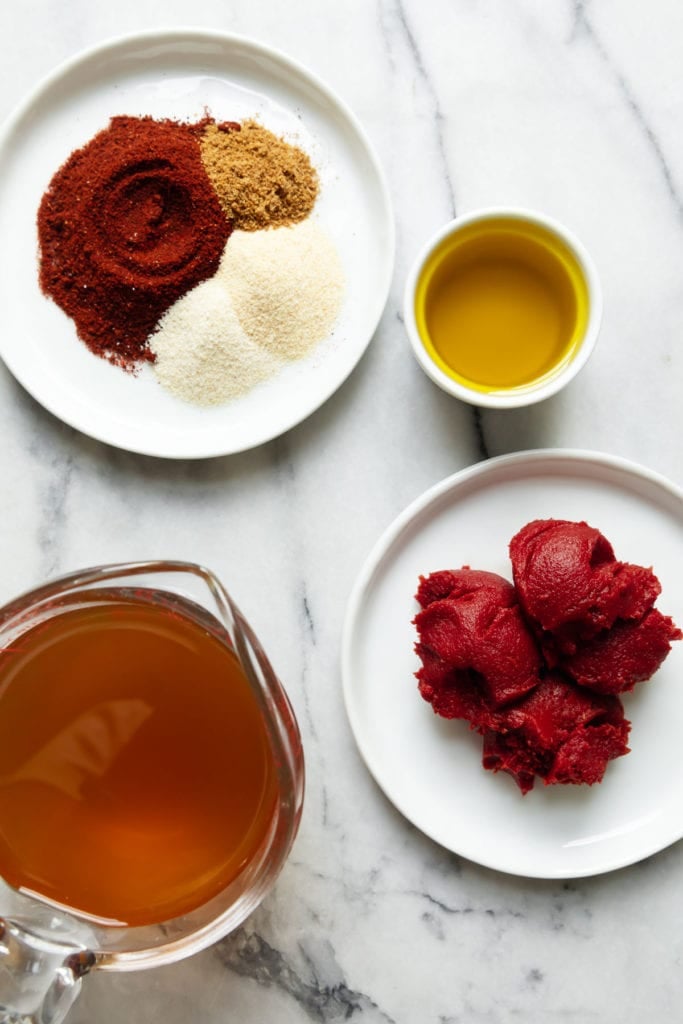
<point>107,571</point>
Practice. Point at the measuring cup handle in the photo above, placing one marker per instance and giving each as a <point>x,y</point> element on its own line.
<point>39,978</point>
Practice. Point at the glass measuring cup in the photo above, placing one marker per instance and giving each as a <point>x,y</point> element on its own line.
<point>46,948</point>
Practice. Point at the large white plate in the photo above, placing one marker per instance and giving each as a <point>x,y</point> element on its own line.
<point>181,74</point>
<point>431,768</point>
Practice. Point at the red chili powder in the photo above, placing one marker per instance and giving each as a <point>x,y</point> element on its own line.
<point>127,225</point>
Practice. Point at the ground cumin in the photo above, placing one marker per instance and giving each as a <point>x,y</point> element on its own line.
<point>261,180</point>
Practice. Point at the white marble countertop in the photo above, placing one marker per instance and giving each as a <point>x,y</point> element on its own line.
<point>573,108</point>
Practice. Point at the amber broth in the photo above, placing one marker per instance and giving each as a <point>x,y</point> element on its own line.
<point>502,305</point>
<point>136,777</point>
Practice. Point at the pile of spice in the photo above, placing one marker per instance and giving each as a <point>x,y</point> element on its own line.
<point>128,224</point>
<point>188,245</point>
<point>202,353</point>
<point>275,296</point>
<point>261,181</point>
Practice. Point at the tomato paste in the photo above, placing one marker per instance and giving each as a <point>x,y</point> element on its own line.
<point>536,667</point>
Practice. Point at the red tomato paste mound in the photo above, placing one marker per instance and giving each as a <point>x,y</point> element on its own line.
<point>570,584</point>
<point>478,629</point>
<point>628,653</point>
<point>535,668</point>
<point>127,225</point>
<point>559,732</point>
<point>593,614</point>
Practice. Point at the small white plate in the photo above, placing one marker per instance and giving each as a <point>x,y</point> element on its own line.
<point>180,75</point>
<point>431,768</point>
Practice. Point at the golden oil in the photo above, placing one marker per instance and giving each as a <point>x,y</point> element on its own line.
<point>502,305</point>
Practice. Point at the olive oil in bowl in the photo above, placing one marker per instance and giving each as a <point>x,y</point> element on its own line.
<point>502,307</point>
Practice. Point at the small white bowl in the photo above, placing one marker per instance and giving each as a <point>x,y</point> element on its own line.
<point>550,384</point>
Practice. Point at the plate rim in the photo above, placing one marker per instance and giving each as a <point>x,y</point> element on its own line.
<point>191,33</point>
<point>373,562</point>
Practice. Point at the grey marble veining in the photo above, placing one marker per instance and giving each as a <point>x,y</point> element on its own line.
<point>569,106</point>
